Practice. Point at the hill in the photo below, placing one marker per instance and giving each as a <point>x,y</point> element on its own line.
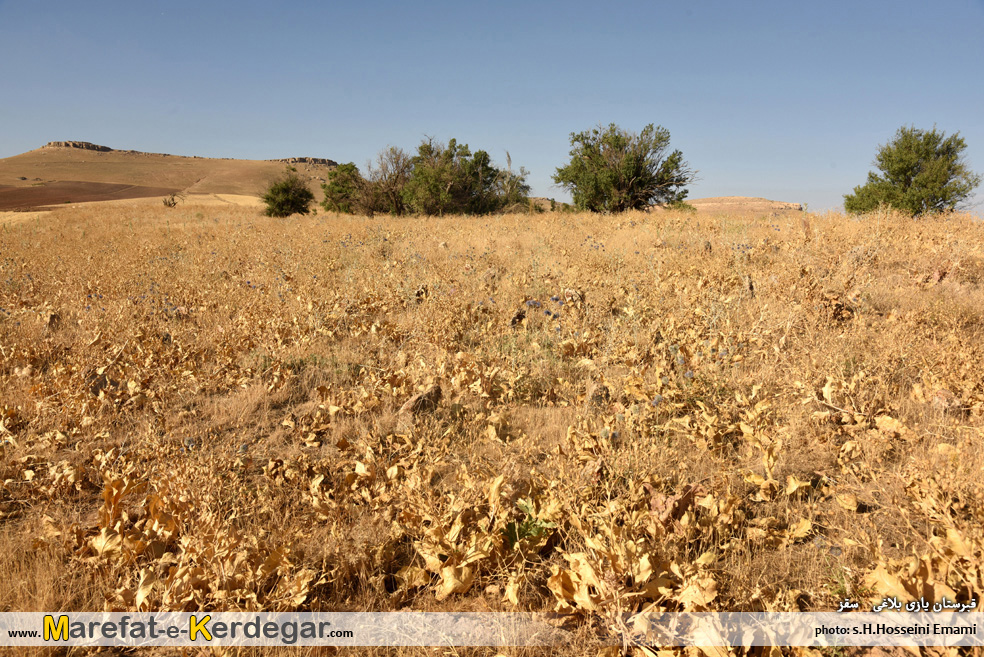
<point>63,172</point>
<point>741,205</point>
<point>74,172</point>
<point>716,205</point>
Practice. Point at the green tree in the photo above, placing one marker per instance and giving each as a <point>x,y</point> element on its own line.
<point>512,190</point>
<point>381,190</point>
<point>612,170</point>
<point>344,190</point>
<point>389,177</point>
<point>437,180</point>
<point>288,196</point>
<point>921,171</point>
<point>451,179</point>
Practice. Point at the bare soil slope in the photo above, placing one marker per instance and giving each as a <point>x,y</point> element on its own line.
<point>75,172</point>
<point>73,191</point>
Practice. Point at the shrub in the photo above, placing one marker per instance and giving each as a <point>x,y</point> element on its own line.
<point>438,180</point>
<point>288,196</point>
<point>448,179</point>
<point>922,171</point>
<point>451,179</point>
<point>380,191</point>
<point>345,189</point>
<point>612,170</point>
<point>682,206</point>
<point>512,190</point>
<point>171,200</point>
<point>389,178</point>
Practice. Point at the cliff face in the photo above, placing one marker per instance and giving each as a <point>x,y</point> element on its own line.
<point>84,145</point>
<point>307,160</point>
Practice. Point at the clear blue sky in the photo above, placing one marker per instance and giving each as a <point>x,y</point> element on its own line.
<point>785,100</point>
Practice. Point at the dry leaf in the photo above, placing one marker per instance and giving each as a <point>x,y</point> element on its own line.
<point>847,501</point>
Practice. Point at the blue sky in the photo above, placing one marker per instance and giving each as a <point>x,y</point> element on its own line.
<point>784,100</point>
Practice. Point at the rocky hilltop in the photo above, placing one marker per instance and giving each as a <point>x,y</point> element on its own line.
<point>89,146</point>
<point>724,204</point>
<point>83,145</point>
<point>306,160</point>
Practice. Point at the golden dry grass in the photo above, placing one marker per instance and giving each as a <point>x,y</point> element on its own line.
<point>200,411</point>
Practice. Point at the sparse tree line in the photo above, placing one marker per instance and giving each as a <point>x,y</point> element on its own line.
<point>610,170</point>
<point>439,179</point>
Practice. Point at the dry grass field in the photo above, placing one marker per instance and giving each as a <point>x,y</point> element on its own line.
<point>206,409</point>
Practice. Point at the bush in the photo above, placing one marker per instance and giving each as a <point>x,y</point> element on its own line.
<point>381,191</point>
<point>561,207</point>
<point>449,180</point>
<point>288,196</point>
<point>612,170</point>
<point>682,206</point>
<point>512,190</point>
<point>345,189</point>
<point>921,172</point>
<point>171,200</point>
<point>438,180</point>
<point>389,178</point>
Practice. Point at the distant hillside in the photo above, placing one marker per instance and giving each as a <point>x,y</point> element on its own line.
<point>715,205</point>
<point>740,205</point>
<point>77,171</point>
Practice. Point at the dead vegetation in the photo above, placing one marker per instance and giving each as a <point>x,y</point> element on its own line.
<point>203,409</point>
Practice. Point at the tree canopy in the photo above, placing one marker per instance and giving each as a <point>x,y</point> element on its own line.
<point>921,171</point>
<point>612,170</point>
<point>439,179</point>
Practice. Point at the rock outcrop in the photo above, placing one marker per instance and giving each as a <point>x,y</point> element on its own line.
<point>83,145</point>
<point>306,160</point>
<point>88,146</point>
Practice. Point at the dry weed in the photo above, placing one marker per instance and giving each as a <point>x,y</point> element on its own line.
<point>201,411</point>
